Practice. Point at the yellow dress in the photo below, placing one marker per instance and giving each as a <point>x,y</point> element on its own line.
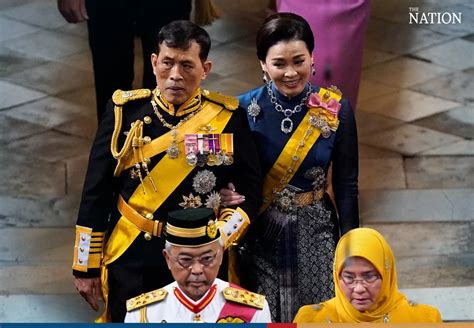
<point>390,305</point>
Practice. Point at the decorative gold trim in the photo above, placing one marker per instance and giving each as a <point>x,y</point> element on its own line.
<point>87,260</point>
<point>146,298</point>
<point>185,232</point>
<point>244,297</point>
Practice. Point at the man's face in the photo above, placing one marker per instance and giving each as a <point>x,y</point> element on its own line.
<point>179,72</point>
<point>194,268</point>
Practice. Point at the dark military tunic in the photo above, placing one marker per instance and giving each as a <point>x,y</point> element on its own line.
<point>142,267</point>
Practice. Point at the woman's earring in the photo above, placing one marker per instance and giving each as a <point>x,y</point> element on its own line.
<point>264,77</point>
<point>313,71</point>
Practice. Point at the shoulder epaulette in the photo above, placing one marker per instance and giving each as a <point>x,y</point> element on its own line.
<point>147,298</point>
<point>229,102</point>
<point>244,297</point>
<point>120,97</point>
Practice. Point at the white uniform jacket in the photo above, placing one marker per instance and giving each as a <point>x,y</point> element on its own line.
<point>222,303</point>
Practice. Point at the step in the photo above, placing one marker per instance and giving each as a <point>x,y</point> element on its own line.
<point>45,308</point>
<point>454,303</point>
<point>409,205</point>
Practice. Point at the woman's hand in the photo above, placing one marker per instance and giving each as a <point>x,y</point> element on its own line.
<point>229,197</point>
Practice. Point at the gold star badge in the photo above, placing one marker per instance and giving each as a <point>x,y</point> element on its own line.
<point>191,201</point>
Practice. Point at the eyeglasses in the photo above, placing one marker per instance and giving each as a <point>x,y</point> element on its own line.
<point>186,262</point>
<point>368,280</point>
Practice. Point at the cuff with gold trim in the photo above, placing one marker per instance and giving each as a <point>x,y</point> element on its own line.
<point>233,224</point>
<point>87,249</point>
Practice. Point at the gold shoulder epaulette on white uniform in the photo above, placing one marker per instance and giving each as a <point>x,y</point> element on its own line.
<point>120,97</point>
<point>229,102</point>
<point>147,298</point>
<point>244,297</point>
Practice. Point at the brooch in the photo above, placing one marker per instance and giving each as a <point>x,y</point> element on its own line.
<point>204,181</point>
<point>213,200</point>
<point>191,201</point>
<point>253,109</point>
<point>326,120</point>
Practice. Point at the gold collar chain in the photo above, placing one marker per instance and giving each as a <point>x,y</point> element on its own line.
<point>168,125</point>
<point>173,149</point>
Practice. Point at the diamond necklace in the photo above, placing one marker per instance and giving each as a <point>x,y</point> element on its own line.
<point>286,125</point>
<point>172,150</point>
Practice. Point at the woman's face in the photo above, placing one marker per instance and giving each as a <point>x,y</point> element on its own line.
<point>360,283</point>
<point>288,65</point>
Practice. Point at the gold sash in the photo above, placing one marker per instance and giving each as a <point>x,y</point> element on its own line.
<point>160,144</point>
<point>272,183</point>
<point>168,175</point>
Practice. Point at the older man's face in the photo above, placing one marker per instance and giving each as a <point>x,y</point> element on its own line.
<point>194,268</point>
<point>179,72</point>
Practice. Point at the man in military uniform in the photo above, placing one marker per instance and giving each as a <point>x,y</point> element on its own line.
<point>157,151</point>
<point>193,252</point>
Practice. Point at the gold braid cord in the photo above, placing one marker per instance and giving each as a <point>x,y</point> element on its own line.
<point>134,141</point>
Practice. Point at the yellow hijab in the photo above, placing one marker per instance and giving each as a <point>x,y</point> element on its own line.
<point>372,246</point>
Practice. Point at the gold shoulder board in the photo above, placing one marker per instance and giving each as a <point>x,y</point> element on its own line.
<point>120,97</point>
<point>147,298</point>
<point>229,102</point>
<point>244,297</point>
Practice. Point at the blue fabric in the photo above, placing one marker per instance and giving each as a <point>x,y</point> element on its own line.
<point>340,148</point>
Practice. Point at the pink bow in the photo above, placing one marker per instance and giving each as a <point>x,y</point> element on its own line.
<point>332,106</point>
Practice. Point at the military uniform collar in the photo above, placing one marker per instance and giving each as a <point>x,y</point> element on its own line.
<point>190,105</point>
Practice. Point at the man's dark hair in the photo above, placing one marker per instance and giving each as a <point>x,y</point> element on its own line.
<point>283,27</point>
<point>179,34</point>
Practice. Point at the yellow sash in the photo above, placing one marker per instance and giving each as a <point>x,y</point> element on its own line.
<point>168,175</point>
<point>272,182</point>
<point>160,144</point>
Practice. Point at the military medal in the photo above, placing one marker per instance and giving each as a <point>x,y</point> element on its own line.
<point>215,138</point>
<point>201,160</point>
<point>173,150</point>
<point>253,109</point>
<point>201,156</point>
<point>228,159</point>
<point>212,158</point>
<point>219,159</point>
<point>191,159</point>
<point>190,142</point>
<point>227,147</point>
<point>197,318</point>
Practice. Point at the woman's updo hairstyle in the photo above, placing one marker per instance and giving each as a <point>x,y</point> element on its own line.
<point>283,27</point>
